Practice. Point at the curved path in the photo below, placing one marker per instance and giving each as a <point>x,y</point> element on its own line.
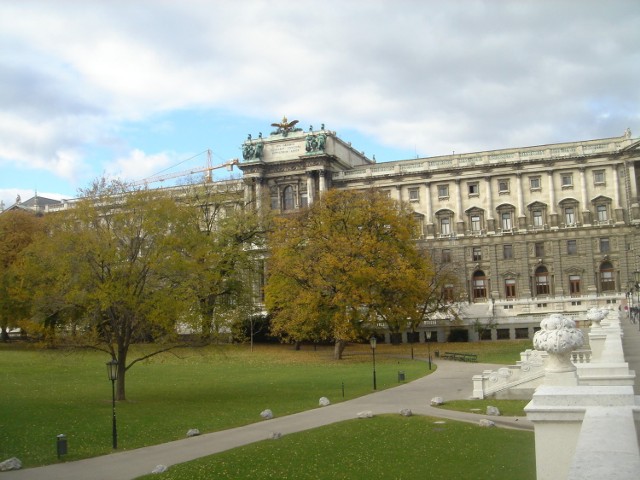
<point>451,381</point>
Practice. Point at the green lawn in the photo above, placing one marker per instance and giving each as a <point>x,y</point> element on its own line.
<point>48,392</point>
<point>509,408</point>
<point>383,447</point>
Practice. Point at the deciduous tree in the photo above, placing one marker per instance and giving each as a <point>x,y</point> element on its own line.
<point>18,229</point>
<point>344,265</point>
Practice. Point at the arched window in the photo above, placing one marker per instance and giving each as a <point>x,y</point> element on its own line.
<point>537,215</point>
<point>607,280</point>
<point>479,285</point>
<point>288,202</point>
<point>507,216</point>
<point>445,222</point>
<point>570,208</point>
<point>542,281</point>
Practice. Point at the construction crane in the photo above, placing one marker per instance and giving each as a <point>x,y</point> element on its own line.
<point>208,177</point>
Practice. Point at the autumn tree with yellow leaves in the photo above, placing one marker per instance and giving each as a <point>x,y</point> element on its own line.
<point>344,267</point>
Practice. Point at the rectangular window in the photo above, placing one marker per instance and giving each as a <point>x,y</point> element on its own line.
<point>567,179</point>
<point>510,288</point>
<point>474,188</point>
<point>446,255</point>
<point>475,223</point>
<point>507,251</point>
<point>539,249</point>
<point>447,293</point>
<point>522,333</point>
<point>479,288</point>
<point>414,195</point>
<point>534,183</point>
<point>542,284</point>
<point>574,285</point>
<point>445,226</point>
<point>506,221</point>
<point>601,211</point>
<point>604,245</point>
<point>598,177</point>
<point>443,191</point>
<point>572,247</point>
<point>476,254</point>
<point>569,216</point>
<point>502,333</point>
<point>537,218</point>
<point>503,186</point>
<point>607,281</point>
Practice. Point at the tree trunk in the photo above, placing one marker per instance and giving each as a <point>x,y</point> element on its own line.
<point>338,349</point>
<point>122,371</point>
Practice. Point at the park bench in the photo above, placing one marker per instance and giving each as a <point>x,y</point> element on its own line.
<point>461,357</point>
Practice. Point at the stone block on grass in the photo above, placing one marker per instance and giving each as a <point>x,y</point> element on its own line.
<point>494,411</point>
<point>487,423</point>
<point>10,464</point>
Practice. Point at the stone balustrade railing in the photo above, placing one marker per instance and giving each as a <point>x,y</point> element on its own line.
<point>586,416</point>
<point>496,157</point>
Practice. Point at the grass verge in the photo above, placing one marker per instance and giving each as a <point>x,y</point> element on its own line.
<point>381,447</point>
<point>509,408</point>
<point>50,392</point>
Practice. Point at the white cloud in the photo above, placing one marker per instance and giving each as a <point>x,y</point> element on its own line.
<point>138,165</point>
<point>430,75</point>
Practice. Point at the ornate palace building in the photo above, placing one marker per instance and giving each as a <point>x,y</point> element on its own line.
<point>531,230</point>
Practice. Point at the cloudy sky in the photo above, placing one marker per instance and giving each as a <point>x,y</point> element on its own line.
<point>130,88</point>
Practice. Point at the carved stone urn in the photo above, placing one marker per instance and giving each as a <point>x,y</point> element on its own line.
<point>596,315</point>
<point>558,336</point>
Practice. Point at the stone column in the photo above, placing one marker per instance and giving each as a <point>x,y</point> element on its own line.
<point>429,207</point>
<point>522,218</point>
<point>618,211</point>
<point>491,227</point>
<point>310,188</point>
<point>459,217</point>
<point>586,213</point>
<point>323,181</point>
<point>630,171</point>
<point>259,194</point>
<point>553,214</point>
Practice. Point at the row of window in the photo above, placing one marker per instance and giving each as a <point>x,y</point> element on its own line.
<point>541,283</point>
<point>536,218</point>
<point>504,185</point>
<point>604,246</point>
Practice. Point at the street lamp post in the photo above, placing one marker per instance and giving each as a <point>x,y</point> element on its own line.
<point>373,342</point>
<point>428,335</point>
<point>112,372</point>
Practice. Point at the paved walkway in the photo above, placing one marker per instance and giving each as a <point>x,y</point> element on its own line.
<point>452,380</point>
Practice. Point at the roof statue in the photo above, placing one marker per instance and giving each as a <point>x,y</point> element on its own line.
<point>284,127</point>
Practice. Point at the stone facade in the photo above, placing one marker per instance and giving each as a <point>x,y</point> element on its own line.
<point>532,230</point>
